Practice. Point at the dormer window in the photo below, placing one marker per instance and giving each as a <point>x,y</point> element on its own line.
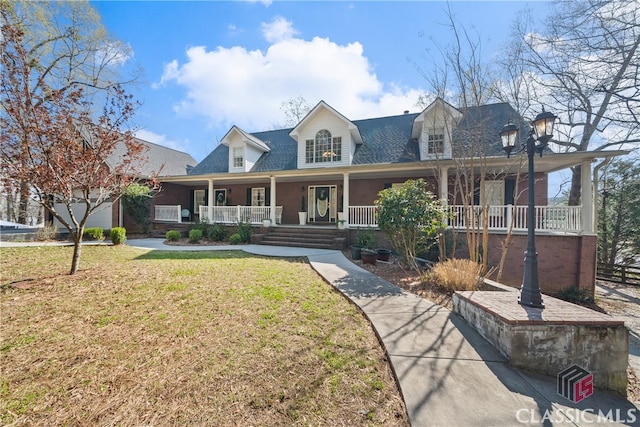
<point>238,157</point>
<point>324,148</point>
<point>435,143</point>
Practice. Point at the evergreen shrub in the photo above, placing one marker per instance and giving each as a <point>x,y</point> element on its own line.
<point>118,235</point>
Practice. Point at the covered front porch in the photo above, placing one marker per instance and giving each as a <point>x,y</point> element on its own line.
<point>343,196</point>
<point>563,219</point>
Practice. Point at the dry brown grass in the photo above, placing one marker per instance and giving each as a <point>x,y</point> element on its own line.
<point>456,275</point>
<point>198,338</point>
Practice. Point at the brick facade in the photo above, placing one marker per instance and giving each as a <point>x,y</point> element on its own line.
<point>563,260</point>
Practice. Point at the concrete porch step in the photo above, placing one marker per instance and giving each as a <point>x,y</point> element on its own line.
<point>320,238</point>
<point>159,229</point>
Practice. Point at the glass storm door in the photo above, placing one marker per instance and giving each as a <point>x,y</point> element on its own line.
<point>323,203</point>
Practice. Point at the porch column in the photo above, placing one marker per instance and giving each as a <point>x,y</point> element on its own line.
<point>444,185</point>
<point>210,201</point>
<point>272,200</point>
<point>345,198</point>
<point>587,198</point>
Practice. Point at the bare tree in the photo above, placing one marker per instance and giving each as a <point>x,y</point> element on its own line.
<point>619,213</point>
<point>66,47</point>
<point>463,79</point>
<point>583,63</point>
<point>56,141</point>
<point>467,81</point>
<point>294,110</point>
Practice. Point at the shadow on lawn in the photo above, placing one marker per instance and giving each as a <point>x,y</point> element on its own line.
<point>213,254</point>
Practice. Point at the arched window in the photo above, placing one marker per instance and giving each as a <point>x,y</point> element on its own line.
<point>324,148</point>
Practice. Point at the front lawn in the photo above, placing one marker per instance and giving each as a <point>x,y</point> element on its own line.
<point>183,338</point>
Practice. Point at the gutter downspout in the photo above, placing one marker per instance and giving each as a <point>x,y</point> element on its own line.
<point>603,163</point>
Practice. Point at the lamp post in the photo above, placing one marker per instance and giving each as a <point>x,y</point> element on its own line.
<point>538,138</point>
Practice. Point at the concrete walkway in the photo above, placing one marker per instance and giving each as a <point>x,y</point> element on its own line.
<point>447,373</point>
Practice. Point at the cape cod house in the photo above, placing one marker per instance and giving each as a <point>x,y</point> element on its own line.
<point>328,170</point>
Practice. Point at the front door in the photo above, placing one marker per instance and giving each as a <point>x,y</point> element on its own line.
<point>323,203</point>
<point>220,197</point>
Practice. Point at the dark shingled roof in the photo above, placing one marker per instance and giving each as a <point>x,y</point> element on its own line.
<point>385,140</point>
<point>477,133</point>
<point>283,154</point>
<point>216,162</point>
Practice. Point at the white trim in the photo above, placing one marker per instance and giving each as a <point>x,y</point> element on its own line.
<point>196,203</point>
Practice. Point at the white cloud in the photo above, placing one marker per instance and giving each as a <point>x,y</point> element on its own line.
<point>278,30</point>
<point>150,136</point>
<point>246,87</point>
<point>115,53</point>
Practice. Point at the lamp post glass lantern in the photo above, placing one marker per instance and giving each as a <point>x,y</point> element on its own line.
<point>539,136</point>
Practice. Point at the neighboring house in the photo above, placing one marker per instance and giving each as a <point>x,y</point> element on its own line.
<point>159,160</point>
<point>330,169</point>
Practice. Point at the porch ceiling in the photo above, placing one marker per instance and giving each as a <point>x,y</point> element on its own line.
<point>547,163</point>
<point>415,169</point>
<point>558,161</point>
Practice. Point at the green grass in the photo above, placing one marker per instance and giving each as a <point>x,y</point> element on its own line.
<point>183,338</point>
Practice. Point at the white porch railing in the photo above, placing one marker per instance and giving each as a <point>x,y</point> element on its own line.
<point>548,218</point>
<point>362,216</point>
<point>168,213</point>
<point>235,214</point>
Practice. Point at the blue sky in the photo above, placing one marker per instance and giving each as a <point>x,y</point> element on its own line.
<point>210,64</point>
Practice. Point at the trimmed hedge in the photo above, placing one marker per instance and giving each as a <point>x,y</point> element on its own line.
<point>217,232</point>
<point>118,235</point>
<point>235,239</point>
<point>195,235</point>
<point>173,235</point>
<point>96,233</point>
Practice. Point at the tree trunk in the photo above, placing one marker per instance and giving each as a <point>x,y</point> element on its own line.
<point>603,232</point>
<point>615,238</point>
<point>10,205</point>
<point>77,249</point>
<point>24,203</point>
<point>576,186</point>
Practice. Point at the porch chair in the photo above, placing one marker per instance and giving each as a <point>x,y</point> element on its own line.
<point>186,213</point>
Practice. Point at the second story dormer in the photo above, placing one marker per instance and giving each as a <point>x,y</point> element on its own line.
<point>325,138</point>
<point>244,149</point>
<point>433,130</point>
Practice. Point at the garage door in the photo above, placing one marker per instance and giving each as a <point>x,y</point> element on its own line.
<point>100,218</point>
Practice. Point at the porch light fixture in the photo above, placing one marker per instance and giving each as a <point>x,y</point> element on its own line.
<point>539,136</point>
